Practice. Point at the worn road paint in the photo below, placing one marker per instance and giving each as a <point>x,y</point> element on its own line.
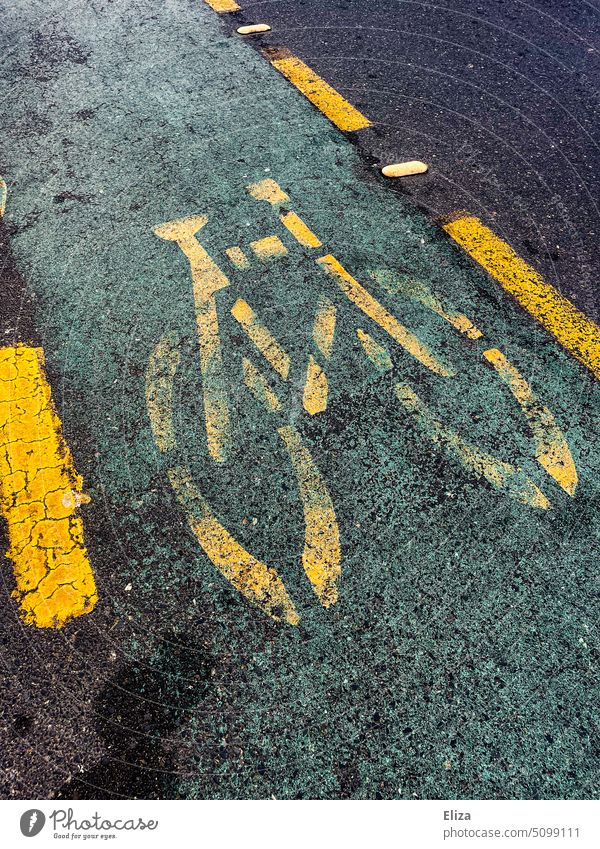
<point>316,388</point>
<point>268,248</point>
<point>303,234</point>
<point>321,557</point>
<point>223,5</point>
<point>268,191</point>
<point>374,351</point>
<point>324,326</point>
<point>551,448</point>
<point>259,583</point>
<point>40,496</point>
<point>573,329</point>
<point>501,475</point>
<point>321,94</point>
<point>377,313</point>
<point>417,291</point>
<point>237,257</point>
<point>262,337</point>
<point>160,373</point>
<point>258,385</point>
<point>207,279</point>
<point>3,196</point>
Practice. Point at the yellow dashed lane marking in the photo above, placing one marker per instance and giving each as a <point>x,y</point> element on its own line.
<point>40,496</point>
<point>262,337</point>
<point>223,5</point>
<point>551,448</point>
<point>573,329</point>
<point>320,93</point>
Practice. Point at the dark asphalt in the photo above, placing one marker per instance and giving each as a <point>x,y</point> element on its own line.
<point>501,98</point>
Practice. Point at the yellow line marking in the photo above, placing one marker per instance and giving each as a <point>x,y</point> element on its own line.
<point>237,257</point>
<point>320,93</point>
<point>269,191</point>
<point>3,196</point>
<point>159,392</point>
<point>223,5</point>
<point>300,231</point>
<point>321,557</point>
<point>40,494</point>
<point>416,290</point>
<point>269,247</point>
<point>316,388</point>
<point>375,352</point>
<point>551,448</point>
<point>501,475</point>
<point>260,584</point>
<point>207,279</point>
<point>573,329</point>
<point>324,327</point>
<point>257,384</point>
<point>376,312</point>
<point>262,338</point>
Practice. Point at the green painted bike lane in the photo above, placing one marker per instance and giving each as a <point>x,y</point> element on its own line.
<point>461,655</point>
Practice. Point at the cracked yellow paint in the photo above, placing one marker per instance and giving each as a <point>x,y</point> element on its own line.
<point>40,494</point>
<point>551,448</point>
<point>316,388</point>
<point>321,94</point>
<point>303,234</point>
<point>573,329</point>
<point>262,337</point>
<point>377,313</point>
<point>500,475</point>
<point>321,558</point>
<point>268,248</point>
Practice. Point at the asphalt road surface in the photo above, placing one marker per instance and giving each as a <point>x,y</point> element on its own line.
<point>501,98</point>
<point>342,520</point>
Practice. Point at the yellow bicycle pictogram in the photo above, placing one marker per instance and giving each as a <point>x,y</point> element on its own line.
<point>322,558</point>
